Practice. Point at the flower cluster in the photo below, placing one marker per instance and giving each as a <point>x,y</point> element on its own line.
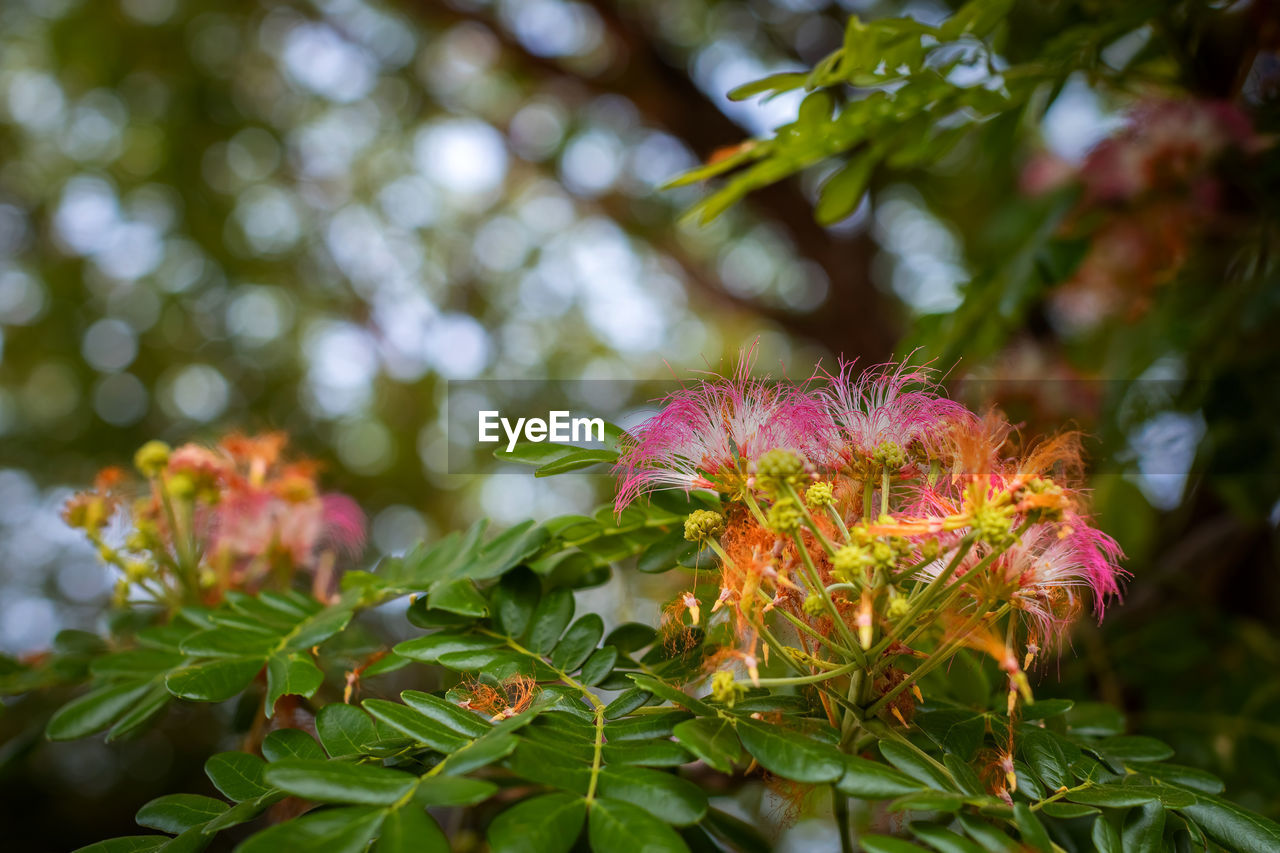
<point>236,516</point>
<point>1148,192</point>
<point>869,523</point>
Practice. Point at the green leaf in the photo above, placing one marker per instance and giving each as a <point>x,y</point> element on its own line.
<point>550,618</point>
<point>1123,796</point>
<point>213,680</point>
<point>411,830</point>
<point>631,636</point>
<point>942,839</point>
<point>95,710</point>
<point>1095,719</point>
<point>513,601</point>
<point>1067,811</point>
<point>345,730</point>
<point>238,775</point>
<point>841,192</point>
<point>673,694</point>
<point>443,711</point>
<point>1043,709</point>
<point>791,755</point>
<point>452,791</point>
<point>1046,757</point>
<point>667,553</point>
<point>317,628</point>
<point>712,739</point>
<point>987,835</point>
<point>1232,826</point>
<point>1032,830</point>
<point>1126,748</point>
<point>507,550</point>
<point>598,666</point>
<point>291,675</point>
<point>416,725</point>
<point>290,743</point>
<point>578,643</point>
<point>966,779</point>
<point>482,752</point>
<point>339,782</point>
<point>581,458</point>
<point>646,753</point>
<point>176,813</point>
<point>535,453</point>
<point>886,844</point>
<point>615,825</point>
<point>143,712</point>
<point>347,830</point>
<point>136,663</point>
<point>915,765</point>
<point>928,801</point>
<point>127,844</point>
<point>458,596</point>
<point>1188,777</point>
<point>222,642</point>
<point>1143,828</point>
<point>736,833</point>
<point>871,780</point>
<point>626,702</point>
<point>644,727</point>
<point>548,765</point>
<point>958,731</point>
<point>550,823</point>
<point>428,649</point>
<point>242,813</point>
<point>784,81</point>
<point>672,798</point>
<point>1105,838</point>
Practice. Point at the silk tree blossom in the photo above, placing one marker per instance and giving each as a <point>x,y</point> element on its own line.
<point>1049,575</point>
<point>708,436</point>
<point>240,515</point>
<point>890,404</point>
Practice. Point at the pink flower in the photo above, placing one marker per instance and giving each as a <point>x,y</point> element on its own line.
<point>707,435</point>
<point>890,403</point>
<point>1048,572</point>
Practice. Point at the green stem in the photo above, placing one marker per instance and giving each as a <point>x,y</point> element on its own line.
<point>885,477</point>
<point>921,600</point>
<point>840,808</point>
<point>939,657</point>
<point>815,581</point>
<point>805,679</point>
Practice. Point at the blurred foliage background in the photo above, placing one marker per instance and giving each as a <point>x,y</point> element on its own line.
<point>310,216</point>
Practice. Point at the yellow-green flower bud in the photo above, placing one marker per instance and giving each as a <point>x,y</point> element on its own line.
<point>120,595</point>
<point>136,570</point>
<point>848,559</point>
<point>992,524</point>
<point>890,455</point>
<point>813,605</point>
<point>207,578</point>
<point>897,608</point>
<point>181,486</point>
<point>779,468</point>
<point>784,516</point>
<point>151,458</point>
<point>725,689</point>
<point>820,495</point>
<point>703,524</point>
